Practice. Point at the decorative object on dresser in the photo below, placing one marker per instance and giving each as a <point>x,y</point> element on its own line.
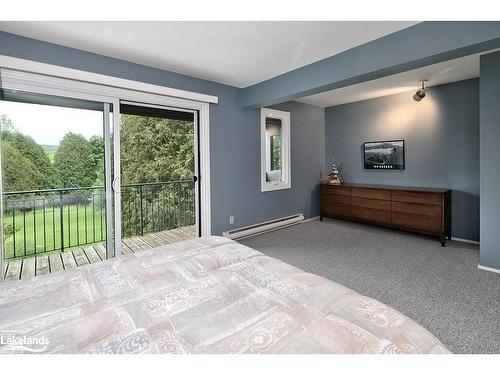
<point>420,210</point>
<point>335,176</point>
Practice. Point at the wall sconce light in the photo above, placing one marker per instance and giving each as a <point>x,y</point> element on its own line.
<point>420,94</point>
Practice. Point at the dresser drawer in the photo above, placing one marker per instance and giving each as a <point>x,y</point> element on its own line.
<point>371,203</point>
<point>417,197</point>
<point>335,200</point>
<point>417,222</point>
<point>418,209</point>
<point>335,190</point>
<point>341,211</point>
<point>372,215</point>
<point>371,193</point>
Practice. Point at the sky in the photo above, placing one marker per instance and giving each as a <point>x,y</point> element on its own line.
<point>47,124</point>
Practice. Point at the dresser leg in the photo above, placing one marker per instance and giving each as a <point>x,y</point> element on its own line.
<point>320,218</point>
<point>442,240</point>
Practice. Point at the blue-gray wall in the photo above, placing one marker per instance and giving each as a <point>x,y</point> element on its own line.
<point>235,158</point>
<point>234,136</point>
<point>489,91</point>
<point>441,136</point>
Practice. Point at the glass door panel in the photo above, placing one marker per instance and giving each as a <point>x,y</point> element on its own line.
<point>159,165</point>
<point>56,184</point>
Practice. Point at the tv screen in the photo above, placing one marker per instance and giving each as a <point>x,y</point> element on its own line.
<point>384,155</point>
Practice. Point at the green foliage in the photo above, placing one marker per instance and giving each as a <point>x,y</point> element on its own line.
<point>36,154</point>
<point>8,230</point>
<point>6,123</point>
<point>275,152</point>
<point>19,173</point>
<point>50,150</point>
<point>74,162</point>
<point>97,145</point>
<point>155,149</point>
<point>152,150</point>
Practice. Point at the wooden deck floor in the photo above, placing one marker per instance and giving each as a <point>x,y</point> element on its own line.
<point>55,261</point>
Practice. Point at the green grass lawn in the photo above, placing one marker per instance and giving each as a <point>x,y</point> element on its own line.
<point>78,229</point>
<point>39,230</point>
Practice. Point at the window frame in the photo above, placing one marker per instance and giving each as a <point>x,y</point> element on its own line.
<point>285,183</point>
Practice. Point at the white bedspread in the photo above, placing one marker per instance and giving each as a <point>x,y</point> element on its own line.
<point>209,295</point>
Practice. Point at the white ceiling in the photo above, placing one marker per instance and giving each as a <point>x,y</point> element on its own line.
<point>235,53</point>
<point>437,74</point>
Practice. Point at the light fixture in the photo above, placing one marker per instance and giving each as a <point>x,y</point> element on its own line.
<point>420,94</point>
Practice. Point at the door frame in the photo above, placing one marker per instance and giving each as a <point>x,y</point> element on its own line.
<point>203,110</point>
<point>18,74</point>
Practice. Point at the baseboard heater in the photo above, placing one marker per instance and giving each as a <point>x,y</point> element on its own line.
<point>266,226</point>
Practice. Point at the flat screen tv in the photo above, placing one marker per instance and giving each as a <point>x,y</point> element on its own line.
<point>384,155</point>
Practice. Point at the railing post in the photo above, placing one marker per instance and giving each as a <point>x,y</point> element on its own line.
<point>24,225</point>
<point>14,227</point>
<point>141,214</point>
<point>61,218</point>
<point>34,226</point>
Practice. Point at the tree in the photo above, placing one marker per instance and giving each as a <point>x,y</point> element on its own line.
<point>36,154</point>
<point>19,173</point>
<point>155,149</point>
<point>29,166</point>
<point>74,162</point>
<point>97,145</point>
<point>6,123</point>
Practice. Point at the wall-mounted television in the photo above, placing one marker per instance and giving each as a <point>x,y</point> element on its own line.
<point>384,155</point>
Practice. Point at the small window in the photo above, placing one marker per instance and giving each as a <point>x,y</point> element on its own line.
<point>275,149</point>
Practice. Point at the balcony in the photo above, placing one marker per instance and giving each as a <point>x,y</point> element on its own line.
<point>52,230</point>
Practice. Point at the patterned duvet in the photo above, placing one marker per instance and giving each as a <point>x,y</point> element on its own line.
<point>208,295</point>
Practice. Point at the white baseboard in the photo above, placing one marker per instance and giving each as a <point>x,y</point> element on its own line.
<point>311,219</point>
<point>266,231</point>
<point>464,240</point>
<point>496,270</point>
<point>266,226</point>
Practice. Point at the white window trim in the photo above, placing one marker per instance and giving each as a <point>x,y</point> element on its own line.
<point>286,146</point>
<point>48,79</point>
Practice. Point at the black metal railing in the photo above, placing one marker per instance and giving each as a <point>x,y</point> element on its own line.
<point>157,206</point>
<point>38,221</point>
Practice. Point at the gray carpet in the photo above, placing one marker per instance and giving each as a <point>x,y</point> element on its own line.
<point>440,288</point>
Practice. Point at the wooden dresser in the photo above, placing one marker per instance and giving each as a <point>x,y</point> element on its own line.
<point>421,210</point>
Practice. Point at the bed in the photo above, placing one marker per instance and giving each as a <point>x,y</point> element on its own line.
<point>206,295</point>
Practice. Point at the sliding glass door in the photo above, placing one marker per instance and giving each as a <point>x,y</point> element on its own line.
<point>85,177</point>
<point>159,165</point>
<point>57,198</point>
